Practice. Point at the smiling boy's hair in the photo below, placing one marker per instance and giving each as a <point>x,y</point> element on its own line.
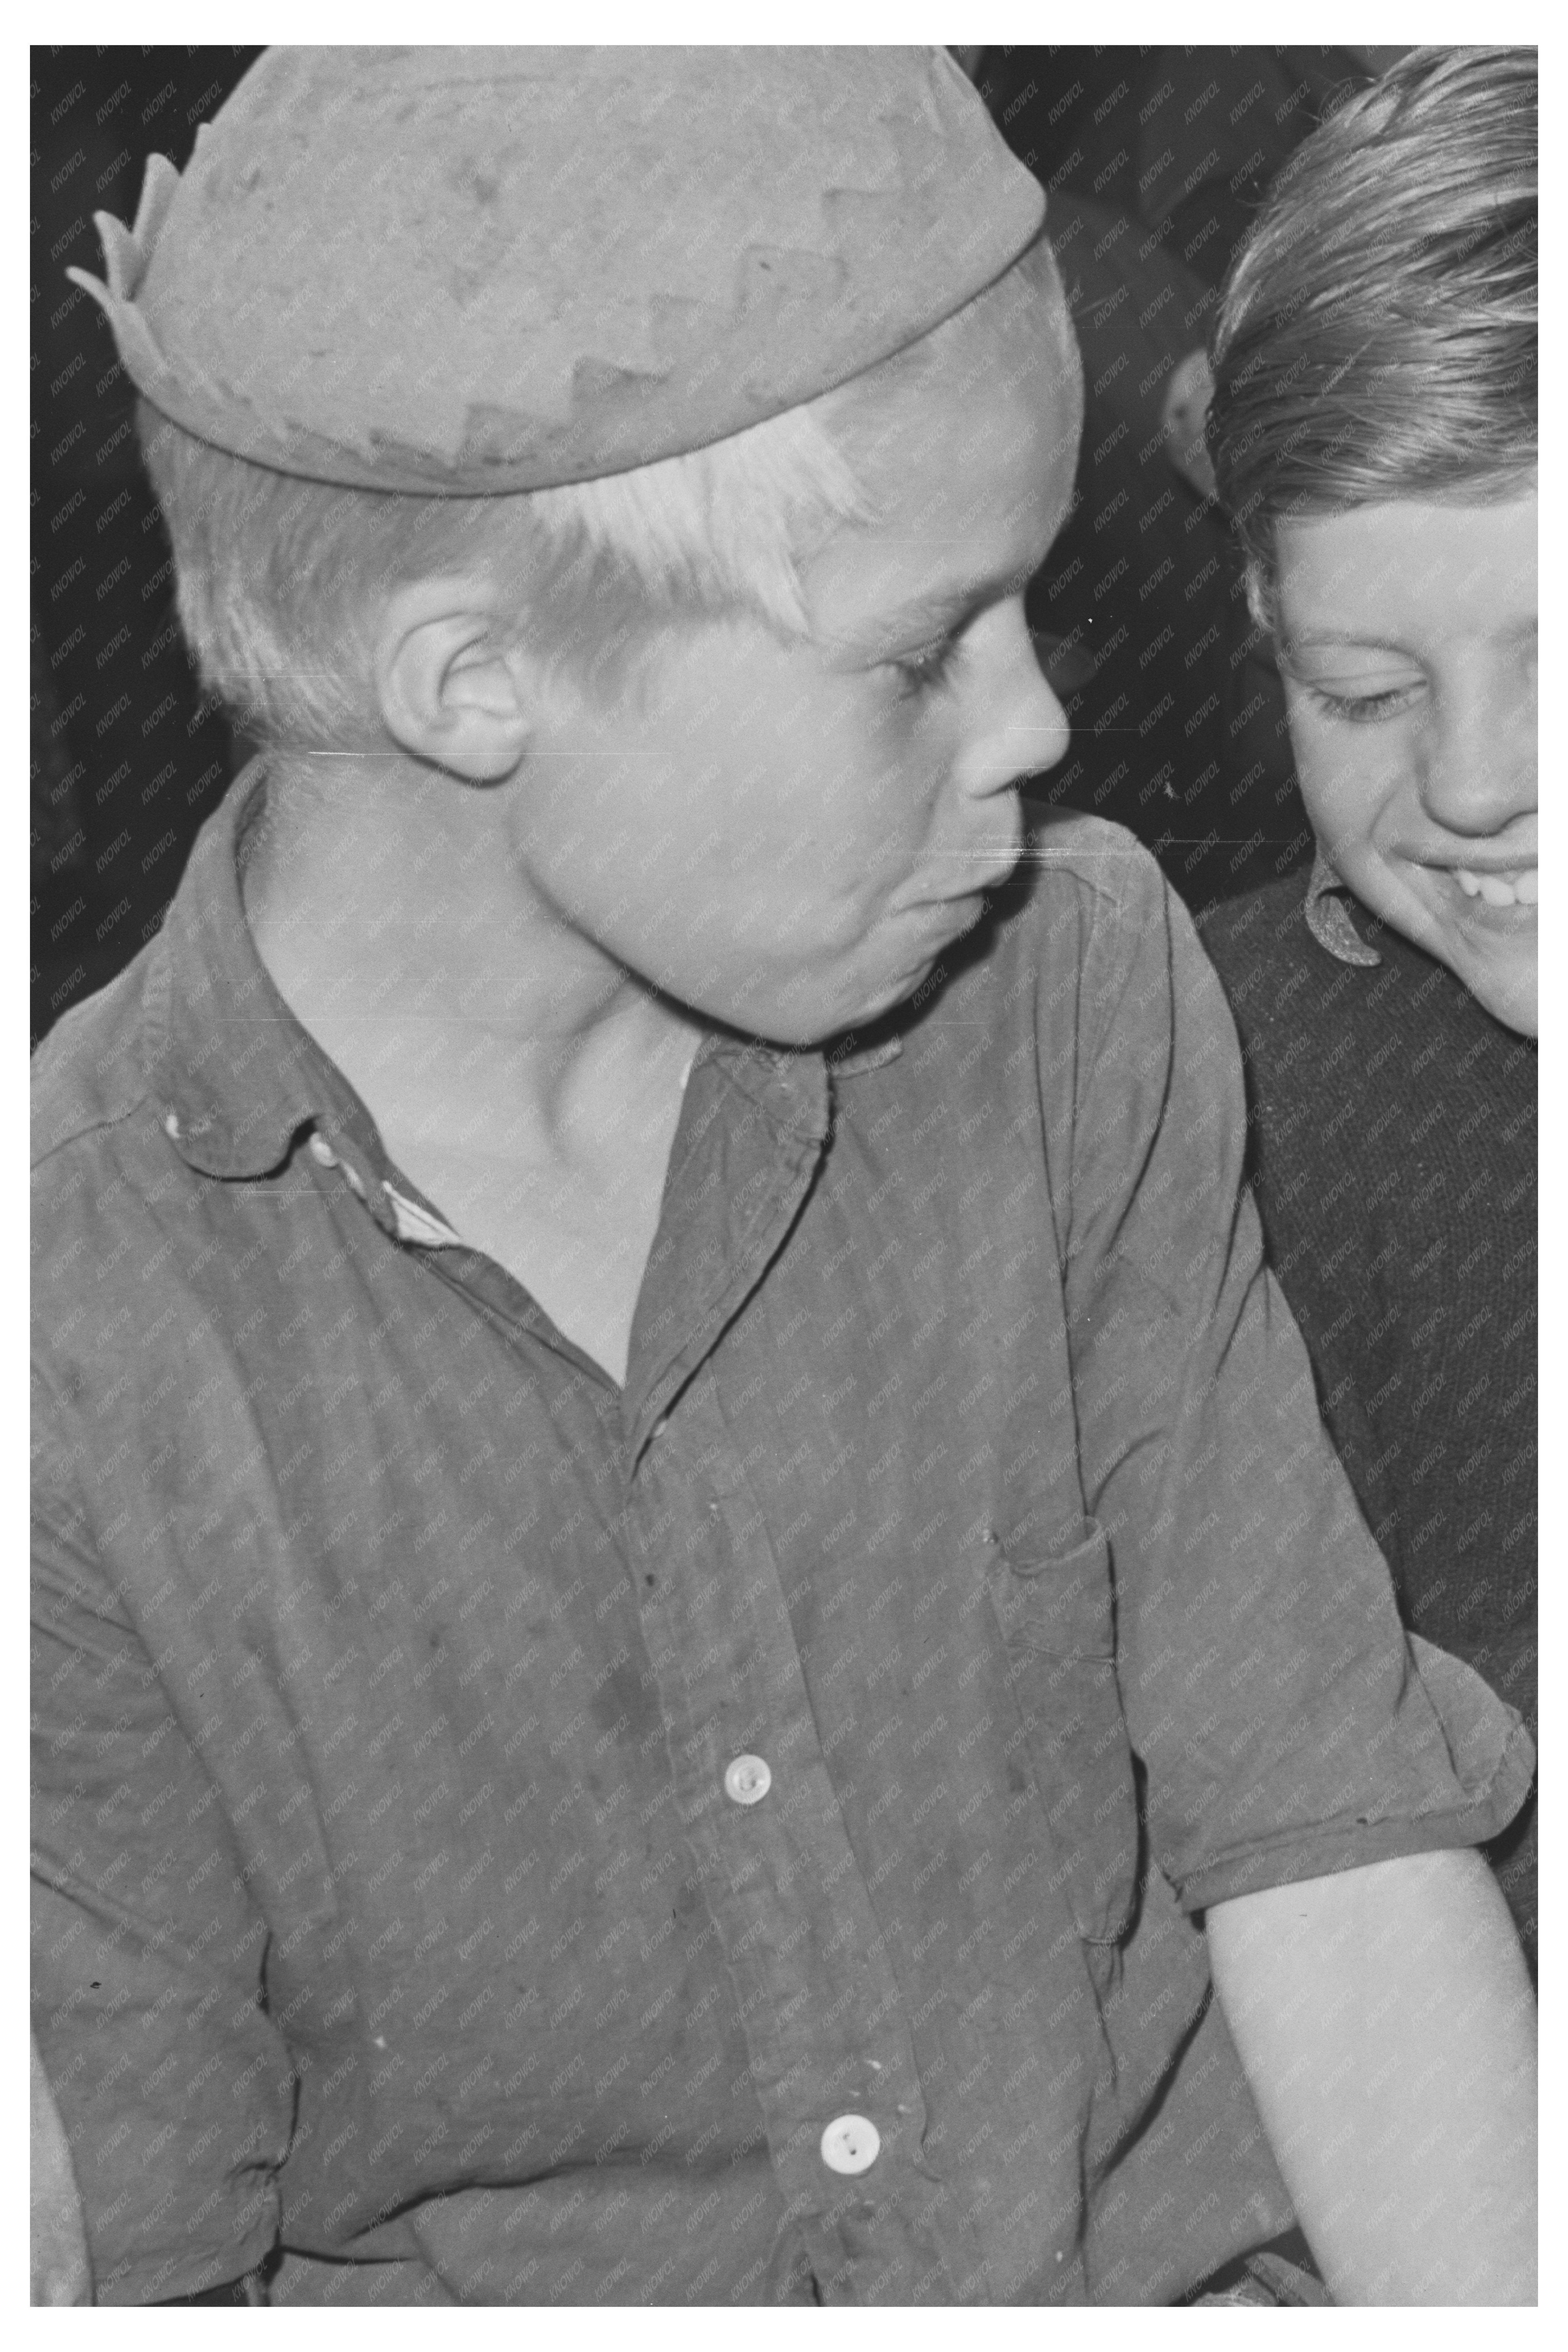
<point>1377,334</point>
<point>281,580</point>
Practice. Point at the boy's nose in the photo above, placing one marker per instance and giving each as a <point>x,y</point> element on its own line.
<point>1022,728</point>
<point>1479,772</point>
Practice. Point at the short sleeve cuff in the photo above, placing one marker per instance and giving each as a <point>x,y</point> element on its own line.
<point>1492,1761</point>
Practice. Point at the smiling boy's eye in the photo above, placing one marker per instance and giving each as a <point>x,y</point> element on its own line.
<point>919,673</point>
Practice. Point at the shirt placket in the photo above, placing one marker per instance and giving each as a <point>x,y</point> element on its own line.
<point>831,2058</point>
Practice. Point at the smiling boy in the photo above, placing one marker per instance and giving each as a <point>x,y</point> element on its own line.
<point>679,1539</point>
<point>1376,434</point>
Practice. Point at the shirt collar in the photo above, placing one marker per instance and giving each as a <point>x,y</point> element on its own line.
<point>238,1077</point>
<point>235,1075</point>
<point>1329,918</point>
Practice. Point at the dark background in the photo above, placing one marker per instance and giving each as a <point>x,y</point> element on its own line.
<point>126,758</point>
<point>1155,161</point>
<point>1152,179</point>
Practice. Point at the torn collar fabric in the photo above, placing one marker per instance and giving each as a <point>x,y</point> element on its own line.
<point>461,271</point>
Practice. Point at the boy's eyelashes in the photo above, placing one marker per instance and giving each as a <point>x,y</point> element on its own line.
<point>922,672</point>
<point>1358,709</point>
<point>1356,700</point>
<point>932,666</point>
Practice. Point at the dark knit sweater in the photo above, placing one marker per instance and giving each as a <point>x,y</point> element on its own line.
<point>1393,1138</point>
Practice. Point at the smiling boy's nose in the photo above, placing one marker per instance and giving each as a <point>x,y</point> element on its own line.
<point>1479,765</point>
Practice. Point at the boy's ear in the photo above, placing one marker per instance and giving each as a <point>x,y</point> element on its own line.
<point>449,687</point>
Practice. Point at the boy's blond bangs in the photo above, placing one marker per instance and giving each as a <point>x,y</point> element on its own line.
<point>281,581</point>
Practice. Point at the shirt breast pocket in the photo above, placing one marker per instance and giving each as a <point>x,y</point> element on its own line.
<point>1057,1613</point>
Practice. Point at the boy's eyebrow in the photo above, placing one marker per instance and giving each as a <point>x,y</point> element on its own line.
<point>1351,640</point>
<point>958,599</point>
<point>924,619</point>
<point>1341,641</point>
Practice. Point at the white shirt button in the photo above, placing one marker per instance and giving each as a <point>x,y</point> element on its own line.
<point>321,1151</point>
<point>747,1780</point>
<point>851,2144</point>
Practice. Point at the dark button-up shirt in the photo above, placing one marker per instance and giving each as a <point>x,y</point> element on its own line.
<point>396,1899</point>
<point>1394,1150</point>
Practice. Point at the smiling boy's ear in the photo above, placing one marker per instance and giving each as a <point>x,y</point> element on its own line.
<point>450,686</point>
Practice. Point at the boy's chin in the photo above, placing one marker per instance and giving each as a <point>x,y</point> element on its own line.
<point>859,1009</point>
<point>1510,997</point>
<point>801,1010</point>
<point>801,1028</point>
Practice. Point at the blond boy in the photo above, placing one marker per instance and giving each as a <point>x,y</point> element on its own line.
<point>681,1542</point>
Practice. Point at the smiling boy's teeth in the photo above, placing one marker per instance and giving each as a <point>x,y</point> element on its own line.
<point>1521,889</point>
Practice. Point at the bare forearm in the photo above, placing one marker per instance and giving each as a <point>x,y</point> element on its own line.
<point>62,2273</point>
<point>1387,2027</point>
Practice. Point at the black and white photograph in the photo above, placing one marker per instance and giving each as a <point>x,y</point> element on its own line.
<point>783,922</point>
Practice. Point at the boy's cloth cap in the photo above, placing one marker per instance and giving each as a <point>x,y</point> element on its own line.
<point>473,270</point>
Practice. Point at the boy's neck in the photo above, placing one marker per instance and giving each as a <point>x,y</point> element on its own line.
<point>390,906</point>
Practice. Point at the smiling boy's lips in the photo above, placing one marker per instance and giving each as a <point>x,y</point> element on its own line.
<point>1515,864</point>
<point>1519,919</point>
<point>1482,905</point>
